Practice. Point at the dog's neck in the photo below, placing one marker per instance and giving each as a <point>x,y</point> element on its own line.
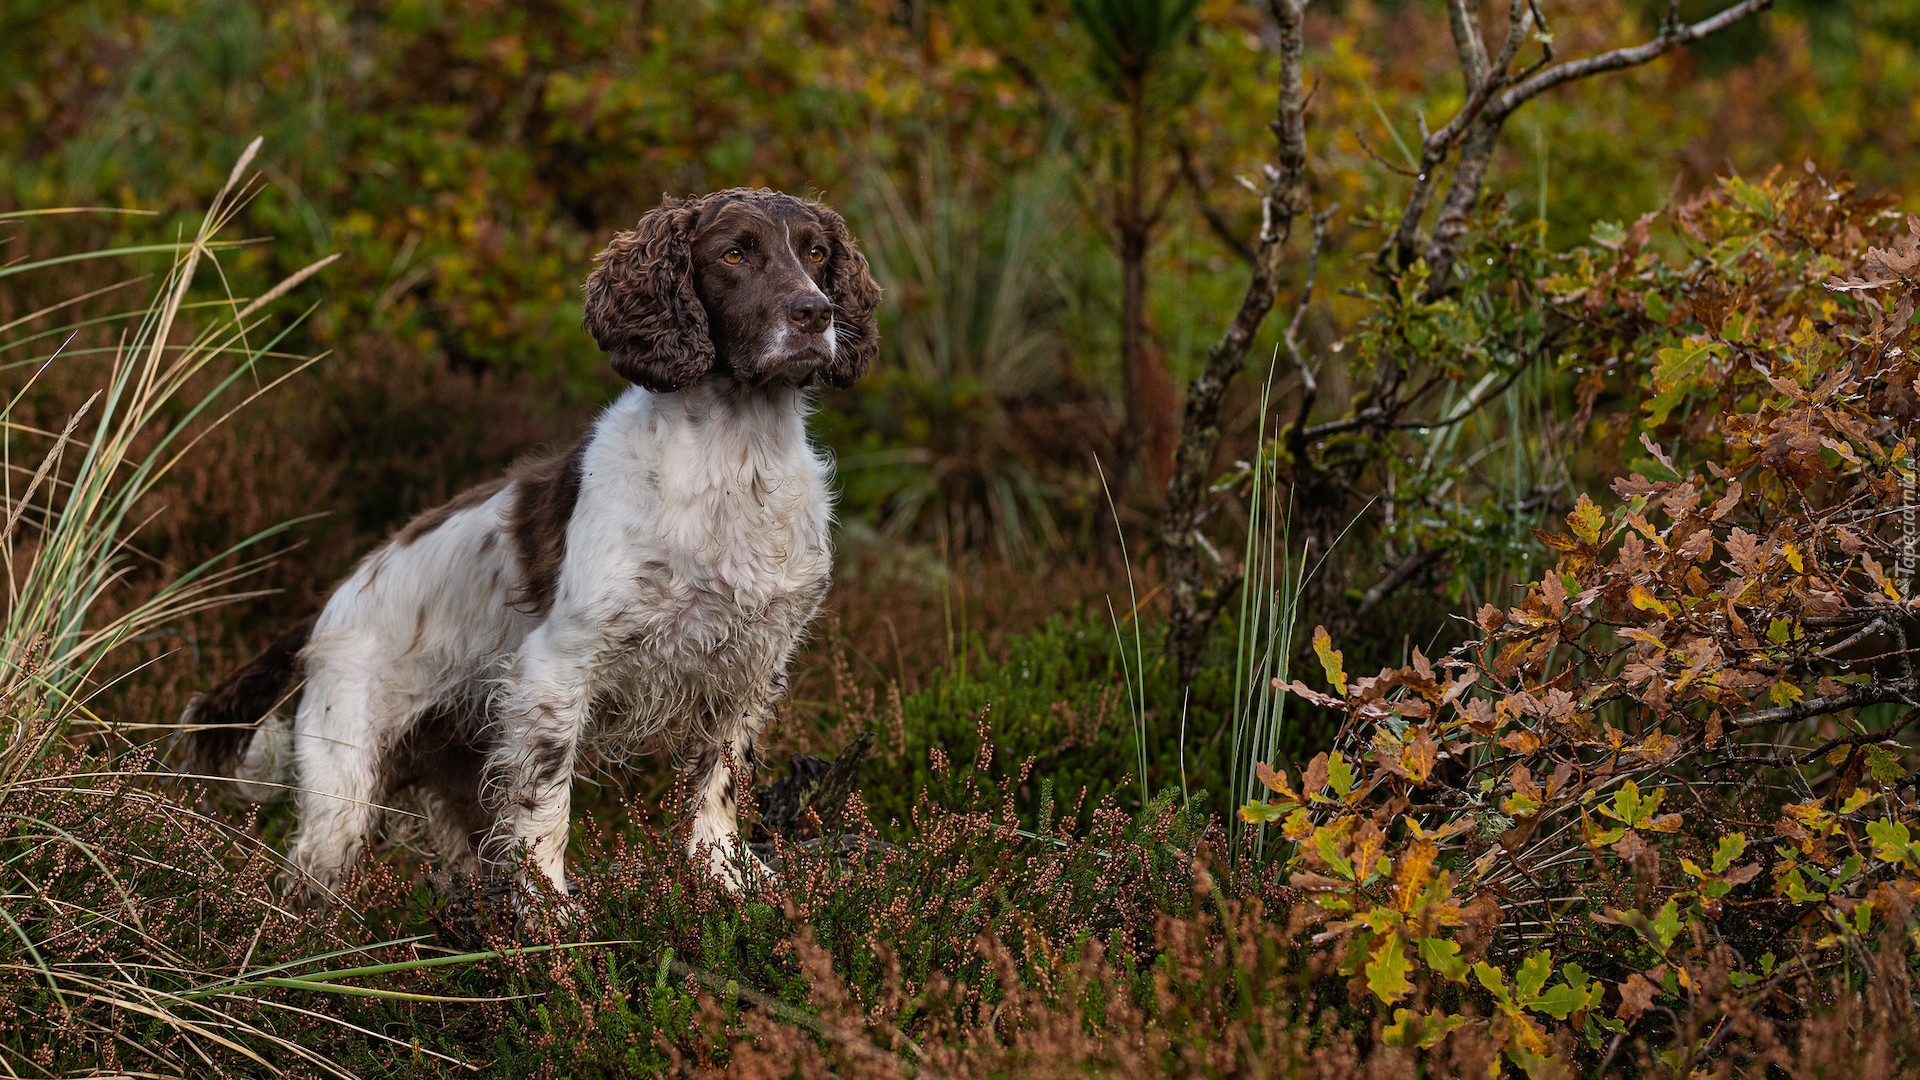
<point>718,434</point>
<point>728,401</point>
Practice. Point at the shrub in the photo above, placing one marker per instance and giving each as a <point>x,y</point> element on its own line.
<point>1662,795</point>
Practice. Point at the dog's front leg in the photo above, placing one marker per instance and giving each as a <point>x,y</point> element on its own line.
<point>542,718</point>
<point>734,752</point>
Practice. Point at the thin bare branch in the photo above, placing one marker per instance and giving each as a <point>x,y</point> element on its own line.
<point>1476,150</point>
<point>1401,573</point>
<point>1379,160</point>
<point>1381,417</point>
<point>1493,93</point>
<point>1625,58</point>
<point>1285,199</point>
<point>1463,18</point>
<point>1481,84</point>
<point>1859,739</point>
<point>1854,697</point>
<point>1477,133</point>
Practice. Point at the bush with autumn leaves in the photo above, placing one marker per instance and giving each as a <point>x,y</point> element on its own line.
<point>1661,804</point>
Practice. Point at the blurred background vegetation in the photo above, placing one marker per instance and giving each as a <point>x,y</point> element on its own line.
<point>1003,170</point>
<point>1062,199</point>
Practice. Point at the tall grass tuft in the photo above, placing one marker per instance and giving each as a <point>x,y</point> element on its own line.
<point>85,942</point>
<point>1132,673</point>
<point>70,529</point>
<point>1270,597</point>
<point>1272,600</point>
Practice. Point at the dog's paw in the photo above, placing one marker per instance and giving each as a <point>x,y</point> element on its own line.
<point>735,866</point>
<point>758,869</point>
<point>538,904</point>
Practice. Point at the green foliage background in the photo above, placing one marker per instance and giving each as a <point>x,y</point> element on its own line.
<point>469,157</point>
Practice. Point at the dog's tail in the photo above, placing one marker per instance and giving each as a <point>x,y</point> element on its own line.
<point>243,728</point>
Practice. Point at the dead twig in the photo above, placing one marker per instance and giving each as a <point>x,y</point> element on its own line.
<point>1284,199</point>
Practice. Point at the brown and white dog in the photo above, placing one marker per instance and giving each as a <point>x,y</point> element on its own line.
<point>651,581</point>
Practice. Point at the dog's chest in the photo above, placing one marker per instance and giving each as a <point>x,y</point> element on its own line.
<point>714,546</point>
<point>748,584</point>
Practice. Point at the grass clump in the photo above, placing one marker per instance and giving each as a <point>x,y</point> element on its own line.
<point>110,927</point>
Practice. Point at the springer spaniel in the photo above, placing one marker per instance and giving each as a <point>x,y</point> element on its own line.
<point>652,580</point>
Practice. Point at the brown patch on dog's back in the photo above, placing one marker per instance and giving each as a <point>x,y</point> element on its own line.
<point>545,491</point>
<point>438,516</point>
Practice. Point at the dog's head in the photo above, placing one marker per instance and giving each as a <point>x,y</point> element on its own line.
<point>751,284</point>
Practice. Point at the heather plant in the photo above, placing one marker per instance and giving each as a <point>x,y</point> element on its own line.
<point>1072,701</point>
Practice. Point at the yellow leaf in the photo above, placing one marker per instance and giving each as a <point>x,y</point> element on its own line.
<point>1586,520</point>
<point>1332,661</point>
<point>1387,971</point>
<point>1411,1029</point>
<point>1646,601</point>
<point>1644,637</point>
<point>1527,1033</point>
<point>1412,873</point>
<point>1298,824</point>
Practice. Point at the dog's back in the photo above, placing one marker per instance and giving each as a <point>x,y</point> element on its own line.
<point>424,611</point>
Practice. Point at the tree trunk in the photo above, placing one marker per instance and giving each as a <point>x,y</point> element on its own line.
<point>1148,435</point>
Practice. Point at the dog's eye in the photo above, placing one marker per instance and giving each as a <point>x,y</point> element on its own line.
<point>816,253</point>
<point>732,256</point>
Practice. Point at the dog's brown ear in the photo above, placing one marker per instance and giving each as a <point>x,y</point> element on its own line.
<point>851,287</point>
<point>641,306</point>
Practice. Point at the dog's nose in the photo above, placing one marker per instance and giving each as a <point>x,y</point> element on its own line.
<point>811,314</point>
